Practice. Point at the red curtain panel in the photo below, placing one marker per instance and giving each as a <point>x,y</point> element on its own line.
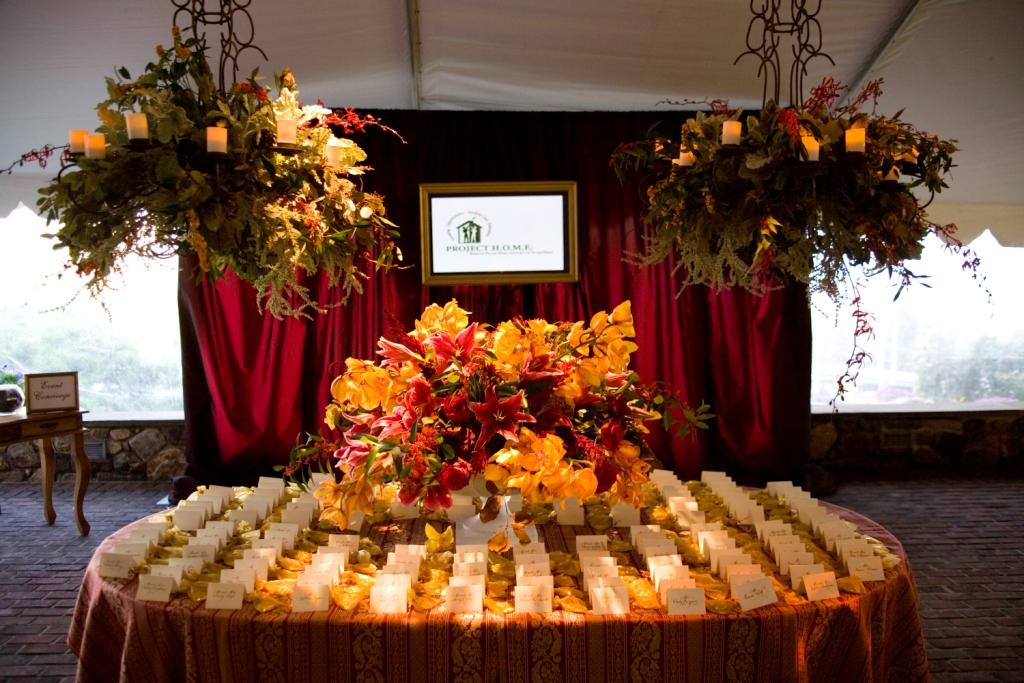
<point>254,384</point>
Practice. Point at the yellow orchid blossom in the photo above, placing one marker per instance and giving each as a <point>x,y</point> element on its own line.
<point>449,318</point>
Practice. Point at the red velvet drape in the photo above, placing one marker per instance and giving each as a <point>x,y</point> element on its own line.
<point>252,383</point>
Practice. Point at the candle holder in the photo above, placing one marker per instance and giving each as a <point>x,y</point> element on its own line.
<point>141,144</point>
<point>287,149</point>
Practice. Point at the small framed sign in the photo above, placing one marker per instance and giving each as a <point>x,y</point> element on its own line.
<point>498,233</point>
<point>51,392</point>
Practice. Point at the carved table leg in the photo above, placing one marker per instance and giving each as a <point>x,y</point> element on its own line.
<point>82,475</point>
<point>49,468</point>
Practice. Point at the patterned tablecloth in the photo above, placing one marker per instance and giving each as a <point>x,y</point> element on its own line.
<point>871,637</point>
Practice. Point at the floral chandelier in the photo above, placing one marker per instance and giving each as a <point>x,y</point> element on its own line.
<point>799,192</point>
<point>181,164</point>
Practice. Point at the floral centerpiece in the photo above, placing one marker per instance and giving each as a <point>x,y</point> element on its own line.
<point>266,211</point>
<point>550,409</point>
<point>802,193</point>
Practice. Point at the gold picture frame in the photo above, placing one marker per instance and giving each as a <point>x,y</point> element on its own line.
<point>458,222</point>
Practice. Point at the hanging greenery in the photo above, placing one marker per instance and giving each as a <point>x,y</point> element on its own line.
<point>266,212</point>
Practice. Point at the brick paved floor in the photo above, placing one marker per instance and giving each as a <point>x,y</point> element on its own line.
<point>965,539</point>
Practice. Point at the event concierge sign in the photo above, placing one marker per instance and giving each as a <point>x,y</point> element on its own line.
<point>498,233</point>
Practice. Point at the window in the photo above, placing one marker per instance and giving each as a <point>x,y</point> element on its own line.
<point>128,356</point>
<point>942,345</point>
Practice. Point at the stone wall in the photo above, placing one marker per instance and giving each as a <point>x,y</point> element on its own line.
<point>130,451</point>
<point>873,445</point>
<point>853,445</point>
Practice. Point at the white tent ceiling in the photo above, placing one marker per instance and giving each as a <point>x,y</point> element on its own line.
<point>953,65</point>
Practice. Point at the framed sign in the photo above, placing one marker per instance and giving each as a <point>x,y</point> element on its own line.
<point>498,233</point>
<point>51,392</point>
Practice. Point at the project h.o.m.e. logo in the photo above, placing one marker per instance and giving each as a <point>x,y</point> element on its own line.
<point>468,227</point>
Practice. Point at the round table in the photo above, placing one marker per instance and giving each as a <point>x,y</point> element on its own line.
<point>871,637</point>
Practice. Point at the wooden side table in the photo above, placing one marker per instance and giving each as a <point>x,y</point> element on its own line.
<point>43,427</point>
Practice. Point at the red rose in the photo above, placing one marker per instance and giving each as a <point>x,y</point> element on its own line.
<point>454,475</point>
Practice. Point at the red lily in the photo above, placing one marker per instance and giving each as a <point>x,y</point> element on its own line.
<point>499,416</point>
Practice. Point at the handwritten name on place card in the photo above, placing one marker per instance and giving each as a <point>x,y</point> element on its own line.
<point>821,586</point>
<point>755,593</point>
<point>116,566</point>
<point>154,588</point>
<point>224,595</point>
<point>468,598</point>
<point>685,601</point>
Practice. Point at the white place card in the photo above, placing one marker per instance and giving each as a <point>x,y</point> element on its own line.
<point>737,581</point>
<point>116,565</point>
<point>660,560</point>
<point>169,571</point>
<point>533,569</point>
<point>257,565</point>
<point>599,572</point>
<point>545,580</point>
<point>704,526</point>
<point>673,490</point>
<point>213,536</point>
<point>595,559</point>
<point>737,569</point>
<point>188,519</point>
<point>274,483</point>
<point>658,476</point>
<point>224,595</point>
<point>227,526</point>
<point>311,597</point>
<point>246,577</point>
<point>714,539</point>
<point>137,549</point>
<point>414,549</point>
<point>514,502</point>
<point>720,559</point>
<point>247,515</point>
<point>594,542</point>
<point>866,568</point>
<point>624,514</point>
<point>470,557</point>
<point>287,538</point>
<point>532,599</point>
<point>609,600</point>
<point>519,550</point>
<point>226,493</point>
<point>300,516</point>
<point>821,586</point>
<point>469,568</point>
<point>389,599</point>
<point>569,512</point>
<point>797,572</point>
<point>788,557</point>
<point>781,544</point>
<point>755,593</point>
<point>461,513</point>
<point>467,598</point>
<point>268,553</point>
<point>636,529</point>
<point>668,584</point>
<point>659,547</point>
<point>205,551</point>
<point>463,548</point>
<point>275,544</point>
<point>668,572</point>
<point>187,564</point>
<point>406,563</point>
<point>154,588</point>
<point>403,581</point>
<point>467,581</point>
<point>684,600</point>
<point>347,541</point>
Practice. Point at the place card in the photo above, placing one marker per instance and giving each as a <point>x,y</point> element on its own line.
<point>228,527</point>
<point>533,569</point>
<point>589,543</point>
<point>205,551</point>
<point>738,580</point>
<point>797,572</point>
<point>599,572</point>
<point>275,544</point>
<point>403,581</point>
<point>214,536</point>
<point>186,564</point>
<point>300,516</point>
<point>399,510</point>
<point>704,526</point>
<point>417,549</point>
<point>661,560</point>
<point>722,558</point>
<point>137,549</point>
<point>666,585</point>
<point>188,518</point>
<point>519,551</point>
<point>317,478</point>
<point>866,568</point>
<point>737,569</point>
<point>149,533</point>
<point>637,529</point>
<point>788,557</point>
<point>821,586</point>
<point>465,598</point>
<point>268,553</point>
<point>271,483</point>
<point>286,537</point>
<point>469,557</point>
<point>257,565</point>
<point>532,599</point>
<point>315,597</point>
<point>684,600</point>
<point>406,564</point>
<point>318,576</point>
<point>609,600</point>
<point>348,541</point>
<point>225,493</point>
<point>853,547</point>
<point>597,559</point>
<point>224,595</point>
<point>464,548</point>
<point>673,490</point>
<point>624,514</point>
<point>389,599</point>
<point>246,578</point>
<point>755,593</point>
<point>467,581</point>
<point>659,547</point>
<point>719,539</point>
<point>658,476</point>
<point>171,572</point>
<point>116,565</point>
<point>514,502</point>
<point>247,515</point>
<point>569,513</point>
<point>668,572</point>
<point>154,588</point>
<point>469,568</point>
<point>260,505</point>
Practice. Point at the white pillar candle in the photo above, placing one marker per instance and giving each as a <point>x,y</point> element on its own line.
<point>76,139</point>
<point>286,131</point>
<point>856,140</point>
<point>332,153</point>
<point>731,132</point>
<point>685,159</point>
<point>95,146</point>
<point>811,146</point>
<point>217,139</point>
<point>138,126</point>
